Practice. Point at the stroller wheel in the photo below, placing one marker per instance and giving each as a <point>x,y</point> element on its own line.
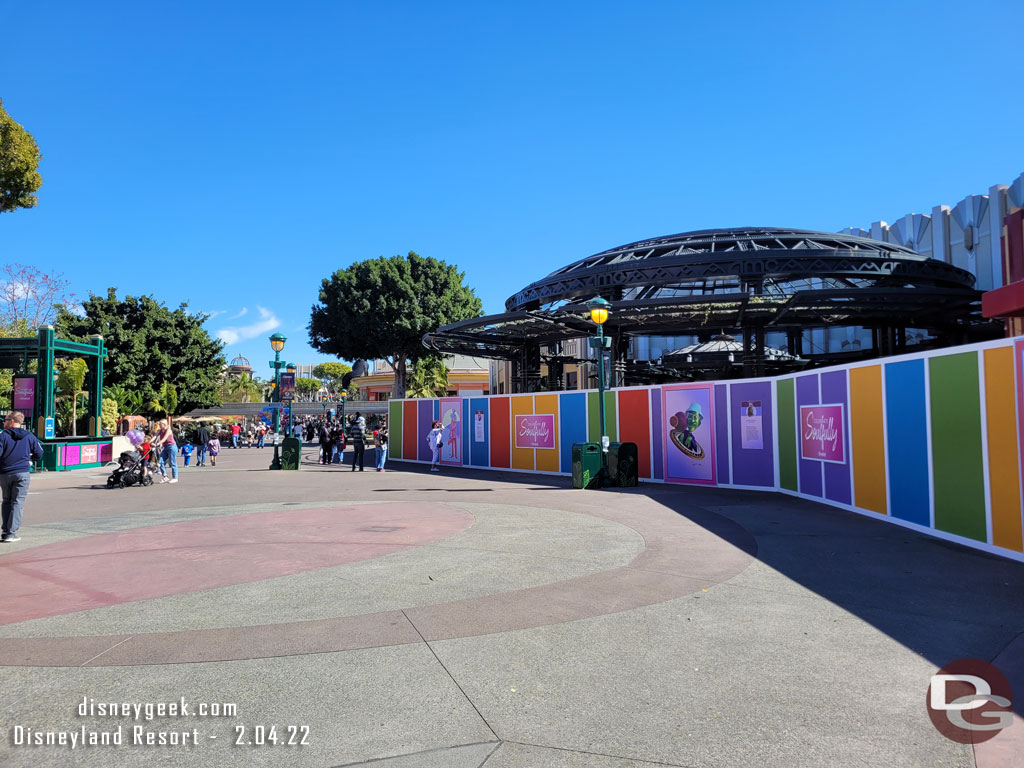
<point>147,480</point>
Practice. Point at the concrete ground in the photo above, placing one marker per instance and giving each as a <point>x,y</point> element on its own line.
<point>460,619</point>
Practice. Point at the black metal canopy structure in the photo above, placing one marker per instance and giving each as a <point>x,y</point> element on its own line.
<point>749,281</point>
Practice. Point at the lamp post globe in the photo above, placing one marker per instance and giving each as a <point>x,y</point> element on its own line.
<point>600,309</point>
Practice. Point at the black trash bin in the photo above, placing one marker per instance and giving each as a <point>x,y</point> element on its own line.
<point>623,464</point>
<point>586,465</point>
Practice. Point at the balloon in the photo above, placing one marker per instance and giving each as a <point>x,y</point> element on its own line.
<point>134,436</point>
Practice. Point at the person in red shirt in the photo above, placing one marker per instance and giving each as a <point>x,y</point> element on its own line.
<point>236,430</point>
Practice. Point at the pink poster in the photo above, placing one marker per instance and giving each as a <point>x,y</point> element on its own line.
<point>71,455</point>
<point>24,393</point>
<point>536,430</point>
<point>451,423</point>
<point>821,433</point>
<point>88,454</point>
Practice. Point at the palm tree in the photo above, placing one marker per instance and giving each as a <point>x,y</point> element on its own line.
<point>241,388</point>
<point>429,378</point>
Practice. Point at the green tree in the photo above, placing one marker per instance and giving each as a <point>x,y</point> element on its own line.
<point>429,378</point>
<point>151,346</point>
<point>331,375</point>
<point>381,308</point>
<point>306,387</point>
<point>19,165</point>
<point>70,385</point>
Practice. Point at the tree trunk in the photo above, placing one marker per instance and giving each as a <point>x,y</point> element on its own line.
<point>74,414</point>
<point>399,366</point>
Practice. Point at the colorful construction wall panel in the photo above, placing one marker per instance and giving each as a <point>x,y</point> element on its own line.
<point>932,441</point>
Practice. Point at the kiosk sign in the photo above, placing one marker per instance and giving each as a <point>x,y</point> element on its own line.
<point>24,393</point>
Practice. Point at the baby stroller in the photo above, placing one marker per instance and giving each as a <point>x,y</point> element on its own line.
<point>129,471</point>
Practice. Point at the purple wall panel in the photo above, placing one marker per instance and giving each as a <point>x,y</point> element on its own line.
<point>809,471</point>
<point>837,476</point>
<point>424,418</point>
<point>722,432</point>
<point>752,466</point>
<point>658,453</point>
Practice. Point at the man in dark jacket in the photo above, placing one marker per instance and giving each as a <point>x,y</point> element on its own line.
<point>358,435</point>
<point>202,439</point>
<point>18,449</point>
<point>326,445</point>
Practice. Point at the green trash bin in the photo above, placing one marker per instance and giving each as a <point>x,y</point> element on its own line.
<point>623,464</point>
<point>291,453</point>
<point>586,465</point>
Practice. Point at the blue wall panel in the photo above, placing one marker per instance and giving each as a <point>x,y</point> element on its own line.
<point>572,411</point>
<point>906,433</point>
<point>480,453</point>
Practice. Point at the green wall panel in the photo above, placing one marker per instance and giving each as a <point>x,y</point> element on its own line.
<point>787,434</point>
<point>958,474</point>
<point>395,429</point>
<point>594,417</point>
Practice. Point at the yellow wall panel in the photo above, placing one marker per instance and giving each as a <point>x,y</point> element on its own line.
<point>867,425</point>
<point>547,460</point>
<point>522,458</point>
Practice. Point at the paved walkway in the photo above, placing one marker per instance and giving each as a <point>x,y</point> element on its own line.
<point>463,619</point>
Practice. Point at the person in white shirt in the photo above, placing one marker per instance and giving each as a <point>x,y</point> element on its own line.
<point>434,438</point>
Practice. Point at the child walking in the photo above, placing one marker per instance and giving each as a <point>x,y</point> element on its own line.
<point>214,448</point>
<point>186,451</point>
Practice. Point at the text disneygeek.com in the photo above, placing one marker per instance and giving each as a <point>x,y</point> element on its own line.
<point>133,735</point>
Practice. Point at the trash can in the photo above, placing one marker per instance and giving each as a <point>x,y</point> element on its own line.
<point>623,464</point>
<point>586,465</point>
<point>291,453</point>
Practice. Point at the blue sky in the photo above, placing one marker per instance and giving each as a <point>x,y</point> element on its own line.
<point>233,154</point>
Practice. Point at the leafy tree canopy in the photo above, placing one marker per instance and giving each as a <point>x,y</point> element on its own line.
<point>381,308</point>
<point>331,371</point>
<point>19,164</point>
<point>152,349</point>
<point>306,386</point>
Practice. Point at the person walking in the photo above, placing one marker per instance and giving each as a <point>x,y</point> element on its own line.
<point>214,448</point>
<point>202,438</point>
<point>18,449</point>
<point>380,441</point>
<point>236,431</point>
<point>326,446</point>
<point>167,450</point>
<point>434,439</point>
<point>358,435</point>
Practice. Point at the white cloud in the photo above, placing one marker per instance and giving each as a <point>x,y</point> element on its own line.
<point>240,314</point>
<point>268,321</point>
<point>214,313</point>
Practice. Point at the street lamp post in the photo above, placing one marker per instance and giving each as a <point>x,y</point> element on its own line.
<point>599,314</point>
<point>290,368</point>
<point>277,344</point>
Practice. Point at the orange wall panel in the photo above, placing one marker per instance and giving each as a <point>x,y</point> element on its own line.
<point>1003,464</point>
<point>867,427</point>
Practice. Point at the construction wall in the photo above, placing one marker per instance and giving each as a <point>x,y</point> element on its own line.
<point>931,441</point>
